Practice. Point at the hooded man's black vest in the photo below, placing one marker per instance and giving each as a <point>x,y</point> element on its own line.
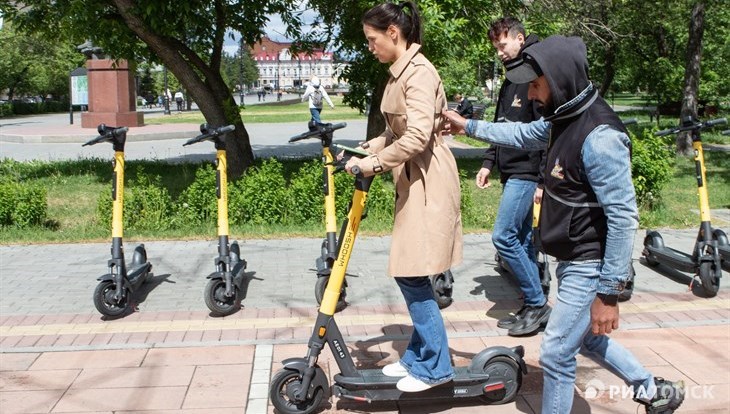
<point>572,223</point>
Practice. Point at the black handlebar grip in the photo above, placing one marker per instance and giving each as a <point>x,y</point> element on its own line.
<point>227,128</point>
<point>718,121</point>
<point>630,121</point>
<point>318,131</point>
<point>120,130</point>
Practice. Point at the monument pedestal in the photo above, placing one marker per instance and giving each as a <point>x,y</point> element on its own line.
<point>112,97</point>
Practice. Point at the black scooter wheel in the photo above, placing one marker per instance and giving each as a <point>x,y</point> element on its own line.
<point>710,278</point>
<point>104,299</point>
<point>443,288</point>
<point>217,301</point>
<point>504,369</point>
<point>321,286</point>
<point>284,385</point>
<point>655,241</point>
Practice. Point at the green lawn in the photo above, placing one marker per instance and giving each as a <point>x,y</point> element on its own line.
<point>270,112</point>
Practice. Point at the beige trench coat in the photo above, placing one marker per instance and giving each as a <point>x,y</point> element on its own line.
<point>427,234</point>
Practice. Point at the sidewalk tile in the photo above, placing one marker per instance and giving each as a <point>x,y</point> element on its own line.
<point>217,355</point>
<point>120,399</point>
<point>217,386</point>
<point>17,362</point>
<point>89,359</point>
<point>157,376</point>
<point>24,402</point>
<point>37,380</point>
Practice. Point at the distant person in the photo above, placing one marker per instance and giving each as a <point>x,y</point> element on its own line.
<point>464,107</point>
<point>278,95</point>
<point>160,101</point>
<point>316,94</point>
<point>179,100</point>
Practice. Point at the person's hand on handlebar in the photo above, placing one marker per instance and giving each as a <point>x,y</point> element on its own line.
<point>353,161</point>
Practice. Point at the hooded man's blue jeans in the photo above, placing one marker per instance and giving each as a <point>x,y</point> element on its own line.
<point>569,330</point>
<point>512,237</point>
<point>427,355</point>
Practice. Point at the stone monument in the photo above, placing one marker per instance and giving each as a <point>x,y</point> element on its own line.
<point>112,92</point>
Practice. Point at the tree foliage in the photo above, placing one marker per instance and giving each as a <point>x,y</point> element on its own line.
<point>186,36</point>
<point>31,65</point>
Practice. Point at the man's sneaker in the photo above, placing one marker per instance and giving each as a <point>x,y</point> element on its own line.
<point>395,370</point>
<point>512,319</point>
<point>669,396</point>
<point>412,384</point>
<point>532,320</point>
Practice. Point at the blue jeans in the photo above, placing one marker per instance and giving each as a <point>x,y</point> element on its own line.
<point>315,114</point>
<point>569,329</point>
<point>512,237</point>
<point>427,355</point>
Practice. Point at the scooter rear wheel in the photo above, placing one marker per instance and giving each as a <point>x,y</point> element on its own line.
<point>216,300</point>
<point>653,240</point>
<point>710,278</point>
<point>284,385</point>
<point>104,299</point>
<point>505,369</point>
<point>321,286</point>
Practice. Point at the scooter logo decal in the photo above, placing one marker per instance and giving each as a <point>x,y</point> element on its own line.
<point>338,348</point>
<point>557,171</point>
<point>460,391</point>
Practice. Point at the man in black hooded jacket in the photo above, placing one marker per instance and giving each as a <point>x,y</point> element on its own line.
<point>588,218</point>
<point>519,173</point>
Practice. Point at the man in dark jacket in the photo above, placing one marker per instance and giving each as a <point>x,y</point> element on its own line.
<point>588,218</point>
<point>464,107</point>
<point>520,177</point>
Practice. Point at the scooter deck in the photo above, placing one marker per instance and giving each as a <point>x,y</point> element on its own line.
<point>373,385</point>
<point>676,259</point>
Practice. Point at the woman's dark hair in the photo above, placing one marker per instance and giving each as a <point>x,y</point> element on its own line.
<point>405,16</point>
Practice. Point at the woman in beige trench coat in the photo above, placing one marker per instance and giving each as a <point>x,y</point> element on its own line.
<point>427,230</point>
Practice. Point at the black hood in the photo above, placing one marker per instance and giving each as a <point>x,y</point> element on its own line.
<point>564,63</point>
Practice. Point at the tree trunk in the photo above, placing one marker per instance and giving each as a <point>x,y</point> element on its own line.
<point>692,75</point>
<point>609,69</point>
<point>203,82</point>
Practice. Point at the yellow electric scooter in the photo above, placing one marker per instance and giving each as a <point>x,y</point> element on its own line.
<point>705,259</point>
<point>494,375</point>
<point>224,291</point>
<point>112,296</point>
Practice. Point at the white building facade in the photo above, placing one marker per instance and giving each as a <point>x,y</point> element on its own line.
<point>280,69</point>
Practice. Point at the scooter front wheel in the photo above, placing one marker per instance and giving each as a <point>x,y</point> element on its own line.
<point>505,370</point>
<point>217,301</point>
<point>710,278</point>
<point>321,286</point>
<point>104,299</point>
<point>284,385</point>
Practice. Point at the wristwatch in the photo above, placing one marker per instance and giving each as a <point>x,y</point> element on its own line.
<point>609,300</point>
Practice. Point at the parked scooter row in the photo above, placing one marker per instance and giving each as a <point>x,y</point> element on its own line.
<point>223,292</point>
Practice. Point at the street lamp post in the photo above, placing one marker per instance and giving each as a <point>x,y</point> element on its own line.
<point>240,75</point>
<point>167,98</point>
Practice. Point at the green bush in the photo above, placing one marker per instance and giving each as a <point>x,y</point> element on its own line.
<point>305,197</point>
<point>22,205</point>
<point>651,167</point>
<point>147,204</point>
<point>198,204</point>
<point>260,196</point>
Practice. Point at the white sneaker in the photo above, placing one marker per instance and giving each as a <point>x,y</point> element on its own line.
<point>412,384</point>
<point>395,370</point>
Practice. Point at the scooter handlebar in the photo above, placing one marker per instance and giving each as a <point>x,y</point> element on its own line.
<point>630,121</point>
<point>355,170</point>
<point>209,133</point>
<point>320,130</point>
<point>695,126</point>
<point>106,134</point>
